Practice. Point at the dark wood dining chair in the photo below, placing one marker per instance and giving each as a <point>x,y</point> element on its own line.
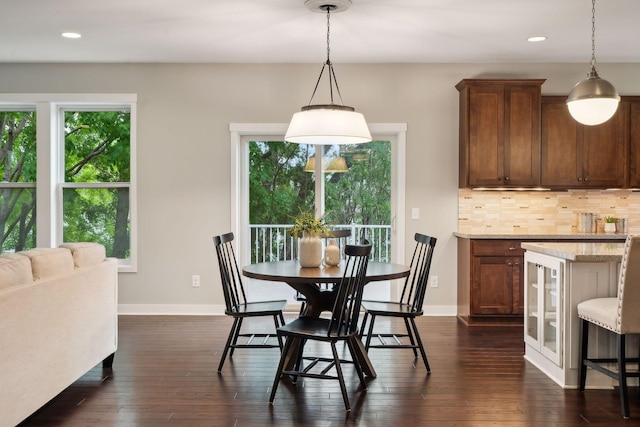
<point>408,307</point>
<point>341,236</point>
<point>619,316</point>
<point>237,306</point>
<point>341,326</point>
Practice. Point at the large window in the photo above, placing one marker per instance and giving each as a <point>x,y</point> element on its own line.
<point>274,180</point>
<point>82,186</point>
<point>18,181</point>
<point>97,156</point>
<point>355,193</point>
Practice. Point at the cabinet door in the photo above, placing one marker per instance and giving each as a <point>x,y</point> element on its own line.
<point>499,132</point>
<point>516,273</point>
<point>604,153</point>
<point>561,153</point>
<point>522,136</point>
<point>486,135</point>
<point>551,308</point>
<point>531,314</point>
<point>492,292</point>
<point>634,143</point>
<point>578,156</point>
<point>543,309</point>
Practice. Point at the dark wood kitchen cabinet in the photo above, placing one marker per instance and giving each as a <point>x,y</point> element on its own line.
<point>491,290</point>
<point>578,156</point>
<point>634,141</point>
<point>499,132</point>
<point>497,285</point>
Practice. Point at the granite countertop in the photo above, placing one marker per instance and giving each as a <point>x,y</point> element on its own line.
<point>574,251</point>
<point>577,236</point>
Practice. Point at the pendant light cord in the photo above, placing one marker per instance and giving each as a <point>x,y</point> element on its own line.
<point>593,36</point>
<point>329,33</point>
<point>332,74</point>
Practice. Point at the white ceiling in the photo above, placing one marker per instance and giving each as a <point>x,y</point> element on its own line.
<point>285,31</point>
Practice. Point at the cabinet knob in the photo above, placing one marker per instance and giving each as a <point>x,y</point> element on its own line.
<point>579,179</point>
<point>512,248</point>
<point>506,178</point>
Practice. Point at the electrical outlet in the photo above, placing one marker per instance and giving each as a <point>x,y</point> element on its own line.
<point>195,281</point>
<point>434,281</point>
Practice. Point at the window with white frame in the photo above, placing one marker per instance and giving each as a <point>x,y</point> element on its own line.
<point>82,186</point>
<point>242,135</point>
<point>18,178</point>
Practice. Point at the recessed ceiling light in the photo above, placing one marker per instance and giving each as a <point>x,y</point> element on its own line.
<point>536,39</point>
<point>69,35</point>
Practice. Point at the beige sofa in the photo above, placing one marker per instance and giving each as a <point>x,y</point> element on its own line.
<point>58,320</point>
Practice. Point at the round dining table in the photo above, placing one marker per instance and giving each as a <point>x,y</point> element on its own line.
<point>306,280</point>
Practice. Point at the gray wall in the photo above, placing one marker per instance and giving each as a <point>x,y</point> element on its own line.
<point>184,111</point>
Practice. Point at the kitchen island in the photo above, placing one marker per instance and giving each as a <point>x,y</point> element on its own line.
<point>557,277</point>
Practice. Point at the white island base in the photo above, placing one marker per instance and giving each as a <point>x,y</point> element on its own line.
<point>558,276</point>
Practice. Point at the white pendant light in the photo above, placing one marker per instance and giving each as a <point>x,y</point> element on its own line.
<point>594,100</point>
<point>328,124</point>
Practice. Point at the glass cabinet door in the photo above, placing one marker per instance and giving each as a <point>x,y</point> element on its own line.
<point>543,305</point>
<point>550,305</point>
<point>531,302</point>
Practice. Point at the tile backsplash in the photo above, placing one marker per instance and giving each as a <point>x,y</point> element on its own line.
<point>542,212</point>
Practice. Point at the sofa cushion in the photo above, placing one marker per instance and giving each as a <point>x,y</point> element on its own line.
<point>15,269</point>
<point>86,253</point>
<point>46,262</point>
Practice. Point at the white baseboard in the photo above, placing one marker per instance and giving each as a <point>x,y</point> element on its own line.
<point>440,310</point>
<point>218,310</point>
<point>171,309</point>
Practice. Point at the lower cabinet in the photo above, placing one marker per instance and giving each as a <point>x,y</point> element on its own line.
<point>491,290</point>
<point>497,286</point>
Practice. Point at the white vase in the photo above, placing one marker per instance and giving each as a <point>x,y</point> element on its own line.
<point>609,227</point>
<point>332,253</point>
<point>310,250</point>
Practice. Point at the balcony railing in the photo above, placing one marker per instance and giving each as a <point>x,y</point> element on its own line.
<point>273,242</point>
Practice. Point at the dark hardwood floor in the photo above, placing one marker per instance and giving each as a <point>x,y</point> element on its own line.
<point>164,374</point>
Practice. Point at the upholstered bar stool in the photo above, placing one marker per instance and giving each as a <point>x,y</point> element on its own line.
<point>619,315</point>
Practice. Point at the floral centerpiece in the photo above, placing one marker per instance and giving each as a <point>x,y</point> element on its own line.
<point>309,229</point>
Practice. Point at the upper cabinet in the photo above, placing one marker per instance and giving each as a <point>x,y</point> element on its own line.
<point>499,132</point>
<point>634,141</point>
<point>578,156</point>
<point>511,136</point>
